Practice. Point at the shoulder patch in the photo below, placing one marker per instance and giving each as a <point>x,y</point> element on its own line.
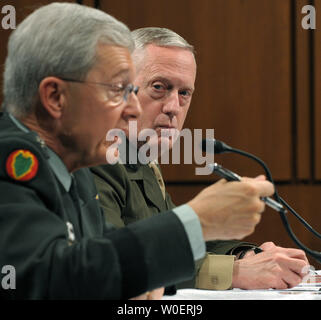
<point>22,165</point>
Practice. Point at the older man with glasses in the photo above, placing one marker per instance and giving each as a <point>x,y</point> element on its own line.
<point>166,72</point>
<point>67,82</point>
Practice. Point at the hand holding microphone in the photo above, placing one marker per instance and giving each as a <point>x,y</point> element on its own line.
<point>217,147</point>
<point>231,176</point>
<point>231,210</point>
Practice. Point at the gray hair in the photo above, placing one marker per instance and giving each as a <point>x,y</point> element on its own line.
<point>162,37</point>
<point>59,40</point>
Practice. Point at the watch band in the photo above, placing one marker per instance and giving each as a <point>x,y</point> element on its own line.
<point>255,249</point>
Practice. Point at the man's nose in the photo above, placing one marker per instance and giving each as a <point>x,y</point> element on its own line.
<point>133,108</point>
<point>171,105</point>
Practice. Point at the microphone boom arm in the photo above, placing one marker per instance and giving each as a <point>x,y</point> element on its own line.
<point>221,147</point>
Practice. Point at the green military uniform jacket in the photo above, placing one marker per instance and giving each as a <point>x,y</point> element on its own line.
<point>53,232</point>
<point>129,192</point>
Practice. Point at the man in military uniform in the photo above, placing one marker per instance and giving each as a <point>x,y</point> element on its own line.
<point>166,72</point>
<point>67,82</point>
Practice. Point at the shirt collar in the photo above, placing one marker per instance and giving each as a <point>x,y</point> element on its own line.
<point>56,164</point>
<point>59,169</point>
<point>18,123</point>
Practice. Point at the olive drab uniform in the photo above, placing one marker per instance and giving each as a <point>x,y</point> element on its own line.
<point>52,231</point>
<point>131,192</point>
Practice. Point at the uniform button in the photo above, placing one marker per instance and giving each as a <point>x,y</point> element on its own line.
<point>214,280</point>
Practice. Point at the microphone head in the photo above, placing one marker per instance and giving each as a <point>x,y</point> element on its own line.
<point>215,146</point>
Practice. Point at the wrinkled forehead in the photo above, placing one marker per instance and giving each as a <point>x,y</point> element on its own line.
<point>168,62</point>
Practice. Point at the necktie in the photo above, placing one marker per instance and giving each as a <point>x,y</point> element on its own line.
<point>76,218</point>
<point>159,177</point>
<point>74,194</point>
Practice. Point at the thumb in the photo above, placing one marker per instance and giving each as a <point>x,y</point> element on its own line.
<point>261,177</point>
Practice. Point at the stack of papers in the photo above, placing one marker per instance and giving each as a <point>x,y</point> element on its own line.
<point>310,283</point>
<point>309,289</point>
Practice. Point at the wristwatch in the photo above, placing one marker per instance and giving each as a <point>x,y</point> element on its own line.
<point>255,249</point>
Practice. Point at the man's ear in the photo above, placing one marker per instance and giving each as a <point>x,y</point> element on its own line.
<point>51,93</point>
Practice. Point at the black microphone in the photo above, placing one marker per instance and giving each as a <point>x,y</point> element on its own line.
<point>215,146</point>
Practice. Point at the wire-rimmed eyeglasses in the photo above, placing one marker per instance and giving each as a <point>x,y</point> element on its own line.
<point>116,93</point>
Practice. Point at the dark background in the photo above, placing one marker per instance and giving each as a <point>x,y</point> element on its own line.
<point>258,85</point>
